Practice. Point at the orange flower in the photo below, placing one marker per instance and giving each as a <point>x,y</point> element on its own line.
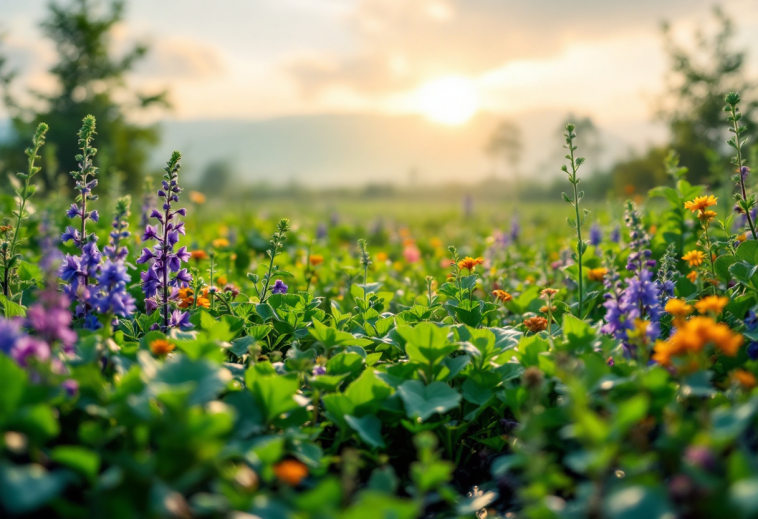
<point>629,189</point>
<point>382,256</point>
<point>196,197</point>
<point>713,304</point>
<point>701,203</point>
<point>692,276</point>
<point>161,347</point>
<point>435,243</point>
<point>221,280</point>
<point>291,472</point>
<point>470,263</point>
<point>198,255</point>
<point>678,308</point>
<point>186,297</point>
<point>535,324</point>
<point>502,295</point>
<point>544,309</point>
<point>694,258</point>
<point>742,237</point>
<point>596,274</point>
<point>745,378</point>
<point>548,293</point>
<point>220,243</point>
<point>693,335</point>
<point>318,259</point>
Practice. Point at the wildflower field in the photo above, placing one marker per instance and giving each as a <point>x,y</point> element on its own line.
<point>160,357</point>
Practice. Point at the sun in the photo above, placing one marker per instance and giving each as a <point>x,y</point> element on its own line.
<point>449,100</point>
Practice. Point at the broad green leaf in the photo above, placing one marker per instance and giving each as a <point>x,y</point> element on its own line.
<point>12,383</point>
<point>80,459</point>
<point>11,309</point>
<point>274,394</point>
<point>369,428</point>
<point>422,401</point>
<point>426,343</point>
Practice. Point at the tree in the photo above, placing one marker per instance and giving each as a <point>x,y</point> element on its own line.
<point>89,80</point>
<point>216,177</point>
<point>505,145</point>
<point>694,101</point>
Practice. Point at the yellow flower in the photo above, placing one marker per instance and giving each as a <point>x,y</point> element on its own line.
<point>291,472</point>
<point>745,378</point>
<point>694,258</point>
<point>381,256</point>
<point>196,197</point>
<point>639,331</point>
<point>435,243</point>
<point>318,259</point>
<point>220,243</point>
<point>701,203</point>
<point>706,216</point>
<point>596,274</point>
<point>161,347</point>
<point>469,263</point>
<point>742,237</point>
<point>502,295</point>
<point>692,276</point>
<point>713,304</point>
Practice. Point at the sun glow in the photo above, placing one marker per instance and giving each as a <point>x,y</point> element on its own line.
<point>450,100</point>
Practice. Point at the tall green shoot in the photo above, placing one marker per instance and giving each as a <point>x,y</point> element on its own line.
<point>746,203</point>
<point>23,194</point>
<point>578,221</point>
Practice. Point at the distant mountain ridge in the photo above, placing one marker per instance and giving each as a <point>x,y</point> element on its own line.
<point>356,150</point>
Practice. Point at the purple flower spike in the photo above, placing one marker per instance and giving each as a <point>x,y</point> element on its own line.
<point>166,274</point>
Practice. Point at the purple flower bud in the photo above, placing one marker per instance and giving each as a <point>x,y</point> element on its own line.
<point>70,386</point>
<point>180,320</point>
<point>279,287</point>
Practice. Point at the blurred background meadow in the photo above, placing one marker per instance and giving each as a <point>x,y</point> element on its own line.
<point>367,109</point>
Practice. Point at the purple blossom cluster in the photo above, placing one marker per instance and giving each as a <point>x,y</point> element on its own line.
<point>93,288</point>
<point>47,324</point>
<point>640,298</point>
<point>596,235</point>
<point>165,276</point>
<point>115,251</point>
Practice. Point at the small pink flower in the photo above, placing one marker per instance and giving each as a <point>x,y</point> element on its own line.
<point>412,254</point>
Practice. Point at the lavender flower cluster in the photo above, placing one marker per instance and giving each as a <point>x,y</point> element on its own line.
<point>49,325</point>
<point>162,281</point>
<point>640,299</point>
<point>95,288</point>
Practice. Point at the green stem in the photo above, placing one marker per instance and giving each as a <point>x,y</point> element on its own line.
<point>268,275</point>
<point>579,244</point>
<point>738,147</point>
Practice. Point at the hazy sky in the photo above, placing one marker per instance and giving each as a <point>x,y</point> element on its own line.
<point>265,58</point>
